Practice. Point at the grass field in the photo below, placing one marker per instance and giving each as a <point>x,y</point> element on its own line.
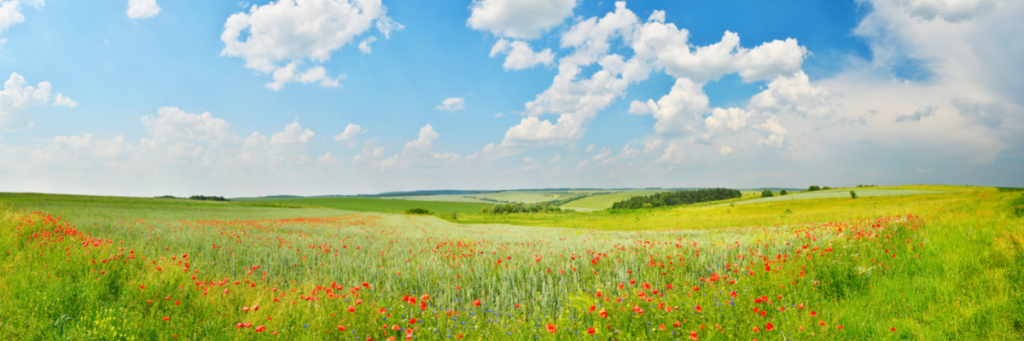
<point>441,197</point>
<point>603,201</point>
<point>362,204</point>
<point>921,267</point>
<point>839,193</point>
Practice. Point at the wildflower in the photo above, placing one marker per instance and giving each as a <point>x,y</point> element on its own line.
<point>603,313</point>
<point>552,328</point>
<point>693,336</point>
<point>591,331</point>
<point>476,303</point>
<point>260,329</point>
<point>769,327</point>
<point>166,318</point>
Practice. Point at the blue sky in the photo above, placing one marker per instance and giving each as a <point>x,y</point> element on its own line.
<point>651,94</point>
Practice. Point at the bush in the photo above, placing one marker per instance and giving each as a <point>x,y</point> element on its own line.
<point>813,188</point>
<point>782,192</point>
<point>524,208</point>
<point>853,194</point>
<point>767,193</point>
<point>418,211</point>
<point>203,197</point>
<point>455,216</point>
<point>674,198</point>
<point>826,187</point>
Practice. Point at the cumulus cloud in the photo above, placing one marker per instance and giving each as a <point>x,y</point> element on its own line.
<point>672,154</point>
<point>520,56</point>
<point>352,131</point>
<point>17,99</point>
<point>298,30</point>
<point>292,134</point>
<point>519,19</point>
<point>141,9</point>
<point>725,151</point>
<point>452,104</point>
<point>656,46</point>
<point>776,134</point>
<point>921,112</point>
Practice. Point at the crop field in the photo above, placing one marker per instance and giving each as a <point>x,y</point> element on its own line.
<point>517,196</point>
<point>362,204</point>
<point>603,201</point>
<point>933,266</point>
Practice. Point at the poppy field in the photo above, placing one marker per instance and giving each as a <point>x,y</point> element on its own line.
<point>946,266</point>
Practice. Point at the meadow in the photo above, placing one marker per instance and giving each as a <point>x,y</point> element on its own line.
<point>946,265</point>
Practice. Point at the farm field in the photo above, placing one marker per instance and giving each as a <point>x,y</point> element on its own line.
<point>363,204</point>
<point>835,268</point>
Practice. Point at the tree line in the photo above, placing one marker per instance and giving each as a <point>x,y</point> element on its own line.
<point>674,198</point>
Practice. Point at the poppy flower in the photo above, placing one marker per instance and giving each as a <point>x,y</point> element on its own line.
<point>166,318</point>
<point>697,308</point>
<point>351,309</point>
<point>800,306</point>
<point>814,313</point>
<point>693,336</point>
<point>424,297</point>
<point>341,328</point>
<point>603,313</point>
<point>476,303</point>
<point>552,328</point>
<point>412,321</point>
<point>769,327</point>
<point>260,329</point>
<point>591,331</point>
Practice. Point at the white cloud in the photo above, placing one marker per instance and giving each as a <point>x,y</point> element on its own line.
<point>141,9</point>
<point>452,104</point>
<point>949,10</point>
<point>590,148</point>
<point>728,120</point>
<point>352,131</point>
<point>293,134</point>
<point>519,19</point>
<point>61,100</point>
<point>365,45</point>
<point>419,152</point>
<point>175,125</point>
<point>296,30</point>
<point>315,74</point>
<point>776,134</point>
<point>17,99</point>
<point>672,154</point>
<point>794,95</point>
<point>10,14</point>
<point>991,115</point>
<point>725,151</point>
<point>604,154</point>
<point>520,55</point>
<point>678,109</point>
<point>921,112</point>
<point>329,160</point>
<point>371,154</point>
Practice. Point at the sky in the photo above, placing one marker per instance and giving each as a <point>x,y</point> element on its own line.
<point>328,97</point>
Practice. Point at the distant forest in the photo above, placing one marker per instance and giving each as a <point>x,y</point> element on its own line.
<point>674,198</point>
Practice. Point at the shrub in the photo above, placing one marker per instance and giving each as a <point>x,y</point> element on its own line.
<point>455,216</point>
<point>767,193</point>
<point>853,194</point>
<point>813,188</point>
<point>417,211</point>
<point>524,208</point>
<point>782,191</point>
<point>826,187</point>
<point>674,198</point>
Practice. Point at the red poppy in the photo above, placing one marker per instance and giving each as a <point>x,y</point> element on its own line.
<point>166,318</point>
<point>260,329</point>
<point>552,328</point>
<point>814,313</point>
<point>769,327</point>
<point>341,328</point>
<point>591,331</point>
<point>603,313</point>
<point>693,336</point>
<point>476,303</point>
<point>351,309</point>
<point>412,321</point>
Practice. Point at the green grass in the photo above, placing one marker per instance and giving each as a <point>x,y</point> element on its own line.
<point>362,204</point>
<point>941,266</point>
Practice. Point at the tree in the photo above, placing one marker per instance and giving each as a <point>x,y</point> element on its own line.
<point>782,191</point>
<point>767,193</point>
<point>853,194</point>
<point>813,188</point>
